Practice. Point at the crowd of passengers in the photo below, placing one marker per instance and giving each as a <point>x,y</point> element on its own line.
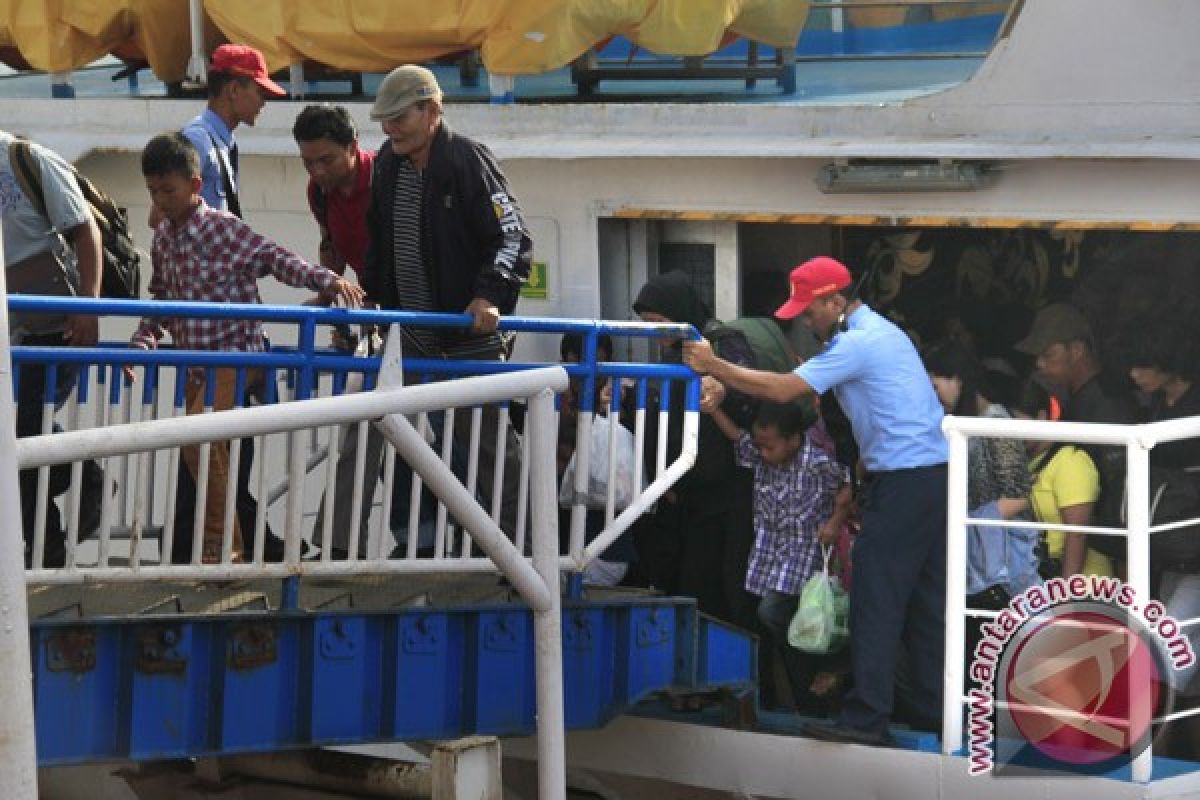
<point>832,452</point>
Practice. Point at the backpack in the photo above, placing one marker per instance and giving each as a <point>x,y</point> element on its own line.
<point>122,267</point>
<point>772,351</point>
<point>1174,496</point>
<point>767,349</point>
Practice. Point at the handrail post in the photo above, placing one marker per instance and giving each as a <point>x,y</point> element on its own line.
<point>18,748</point>
<point>197,68</point>
<point>1137,477</point>
<point>956,590</point>
<point>547,623</point>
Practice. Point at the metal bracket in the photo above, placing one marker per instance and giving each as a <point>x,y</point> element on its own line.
<point>71,650</point>
<point>336,644</point>
<point>420,637</point>
<point>251,645</point>
<point>158,652</point>
<point>578,632</point>
<point>653,630</point>
<point>498,636</point>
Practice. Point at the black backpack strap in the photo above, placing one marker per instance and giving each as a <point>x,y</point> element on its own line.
<point>20,158</point>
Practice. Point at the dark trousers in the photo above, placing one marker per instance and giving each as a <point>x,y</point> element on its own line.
<point>775,612</point>
<point>702,547</point>
<point>487,465</point>
<point>31,397</point>
<point>899,596</point>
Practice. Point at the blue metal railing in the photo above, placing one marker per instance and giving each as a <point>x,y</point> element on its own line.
<point>307,369</point>
<point>306,359</point>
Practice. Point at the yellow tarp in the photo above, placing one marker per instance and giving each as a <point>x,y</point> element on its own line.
<point>515,37</point>
<point>62,35</point>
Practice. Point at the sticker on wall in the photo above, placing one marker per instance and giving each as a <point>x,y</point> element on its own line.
<point>535,288</point>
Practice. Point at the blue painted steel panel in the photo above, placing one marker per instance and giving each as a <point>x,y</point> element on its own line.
<point>261,704</point>
<point>500,679</point>
<point>428,683</point>
<point>727,656</point>
<point>347,678</point>
<point>78,692</point>
<point>170,711</point>
<point>650,646</point>
<point>171,687</point>
<point>588,667</point>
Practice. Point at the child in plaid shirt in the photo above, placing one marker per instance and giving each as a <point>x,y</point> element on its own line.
<point>203,254</point>
<point>799,504</point>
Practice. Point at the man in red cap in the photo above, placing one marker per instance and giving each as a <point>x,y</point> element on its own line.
<point>238,87</point>
<point>900,555</point>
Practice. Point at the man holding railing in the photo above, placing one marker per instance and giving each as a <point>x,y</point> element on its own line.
<point>446,235</point>
<point>900,556</point>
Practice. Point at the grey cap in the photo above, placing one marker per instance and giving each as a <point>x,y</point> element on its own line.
<point>1057,323</point>
<point>402,87</point>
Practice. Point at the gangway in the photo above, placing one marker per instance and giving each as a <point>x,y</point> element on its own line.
<point>136,657</point>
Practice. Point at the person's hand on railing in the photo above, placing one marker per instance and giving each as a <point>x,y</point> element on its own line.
<point>351,294</point>
<point>484,315</point>
<point>699,355</point>
<point>83,330</point>
<point>712,394</point>
<point>127,369</point>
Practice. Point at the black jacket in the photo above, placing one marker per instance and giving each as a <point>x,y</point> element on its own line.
<point>474,242</point>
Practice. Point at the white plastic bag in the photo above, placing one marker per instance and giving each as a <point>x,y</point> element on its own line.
<point>597,491</point>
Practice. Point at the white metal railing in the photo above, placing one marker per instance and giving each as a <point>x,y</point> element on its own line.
<point>538,583</point>
<point>1138,441</point>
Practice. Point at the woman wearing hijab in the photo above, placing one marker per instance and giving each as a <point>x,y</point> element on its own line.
<point>703,536</point>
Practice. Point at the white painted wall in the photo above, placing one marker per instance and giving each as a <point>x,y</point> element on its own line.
<point>563,201</point>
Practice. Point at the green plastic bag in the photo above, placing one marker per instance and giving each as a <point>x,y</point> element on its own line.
<point>821,622</point>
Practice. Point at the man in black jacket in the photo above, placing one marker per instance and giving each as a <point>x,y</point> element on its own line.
<point>446,235</point>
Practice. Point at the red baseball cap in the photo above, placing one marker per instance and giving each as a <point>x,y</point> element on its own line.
<point>814,278</point>
<point>245,61</point>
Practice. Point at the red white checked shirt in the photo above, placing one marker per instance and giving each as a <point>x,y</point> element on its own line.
<point>216,258</point>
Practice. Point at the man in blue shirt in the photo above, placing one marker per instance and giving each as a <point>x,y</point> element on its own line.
<point>238,87</point>
<point>900,555</point>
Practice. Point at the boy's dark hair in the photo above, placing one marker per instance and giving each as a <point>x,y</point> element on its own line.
<point>951,359</point>
<point>572,345</point>
<point>790,419</point>
<point>170,154</point>
<point>325,121</point>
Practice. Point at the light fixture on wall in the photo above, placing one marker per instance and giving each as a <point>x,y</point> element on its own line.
<point>861,177</point>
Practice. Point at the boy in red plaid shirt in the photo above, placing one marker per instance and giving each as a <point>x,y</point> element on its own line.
<point>207,255</point>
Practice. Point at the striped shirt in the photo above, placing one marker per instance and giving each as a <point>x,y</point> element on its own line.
<point>791,502</point>
<point>217,258</point>
<point>412,278</point>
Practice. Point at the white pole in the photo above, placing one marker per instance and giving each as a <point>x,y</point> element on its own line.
<point>547,622</point>
<point>197,68</point>
<point>18,754</point>
<point>956,591</point>
<point>1137,476</point>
